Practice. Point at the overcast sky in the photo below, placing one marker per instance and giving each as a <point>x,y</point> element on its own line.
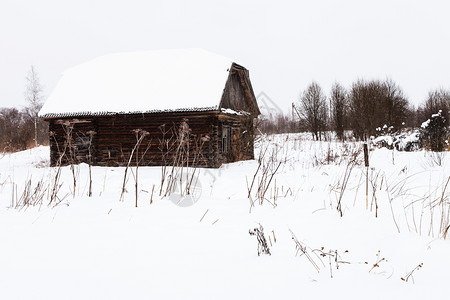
<point>284,44</point>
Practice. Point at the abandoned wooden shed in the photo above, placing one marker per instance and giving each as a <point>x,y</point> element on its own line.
<point>155,108</point>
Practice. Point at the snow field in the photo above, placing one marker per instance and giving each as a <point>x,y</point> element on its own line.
<point>100,248</point>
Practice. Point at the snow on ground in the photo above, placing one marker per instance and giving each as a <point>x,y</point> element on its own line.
<point>98,247</point>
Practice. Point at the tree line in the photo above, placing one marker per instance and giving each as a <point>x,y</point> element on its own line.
<point>367,108</point>
<point>21,129</point>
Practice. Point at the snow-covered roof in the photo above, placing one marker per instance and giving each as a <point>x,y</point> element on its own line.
<point>151,81</point>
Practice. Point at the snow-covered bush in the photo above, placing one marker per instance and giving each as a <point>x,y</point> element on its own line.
<point>434,134</point>
<point>401,141</point>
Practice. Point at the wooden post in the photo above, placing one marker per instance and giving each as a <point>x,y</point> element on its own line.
<point>366,163</point>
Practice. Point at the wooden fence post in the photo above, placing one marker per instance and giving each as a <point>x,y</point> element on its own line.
<point>366,163</point>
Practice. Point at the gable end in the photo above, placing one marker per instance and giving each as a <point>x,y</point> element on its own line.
<point>238,93</point>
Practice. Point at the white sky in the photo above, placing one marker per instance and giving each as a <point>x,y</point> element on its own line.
<point>284,44</point>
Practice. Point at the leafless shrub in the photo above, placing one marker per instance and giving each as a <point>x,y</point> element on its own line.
<point>180,160</point>
<point>409,275</point>
<point>182,154</point>
<point>343,186</point>
<point>17,128</point>
<point>32,195</point>
<point>432,208</point>
<point>333,258</point>
<point>68,154</point>
<point>434,159</point>
<point>330,156</point>
<point>35,193</point>
<point>55,184</point>
<point>353,160</point>
<point>340,154</point>
<point>443,203</point>
<point>304,250</point>
<point>315,256</point>
<point>263,176</point>
<point>262,242</point>
<point>373,180</point>
<point>378,261</point>
<point>396,190</point>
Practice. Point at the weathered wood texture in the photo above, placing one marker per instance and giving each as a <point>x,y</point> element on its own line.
<point>238,93</point>
<point>109,140</point>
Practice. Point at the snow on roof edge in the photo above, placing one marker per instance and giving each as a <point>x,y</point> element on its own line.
<point>111,113</point>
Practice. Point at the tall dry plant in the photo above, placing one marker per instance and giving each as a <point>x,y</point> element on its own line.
<point>181,154</point>
<point>140,135</point>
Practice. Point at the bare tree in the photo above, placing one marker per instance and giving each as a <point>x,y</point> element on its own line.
<point>339,107</point>
<point>33,95</point>
<point>437,100</point>
<point>362,98</point>
<point>376,104</point>
<point>313,109</point>
<point>395,104</point>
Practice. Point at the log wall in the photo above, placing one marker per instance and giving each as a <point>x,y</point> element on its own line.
<point>109,140</point>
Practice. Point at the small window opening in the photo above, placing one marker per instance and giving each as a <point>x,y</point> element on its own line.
<point>226,139</point>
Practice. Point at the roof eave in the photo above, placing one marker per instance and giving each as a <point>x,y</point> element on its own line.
<point>108,113</point>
